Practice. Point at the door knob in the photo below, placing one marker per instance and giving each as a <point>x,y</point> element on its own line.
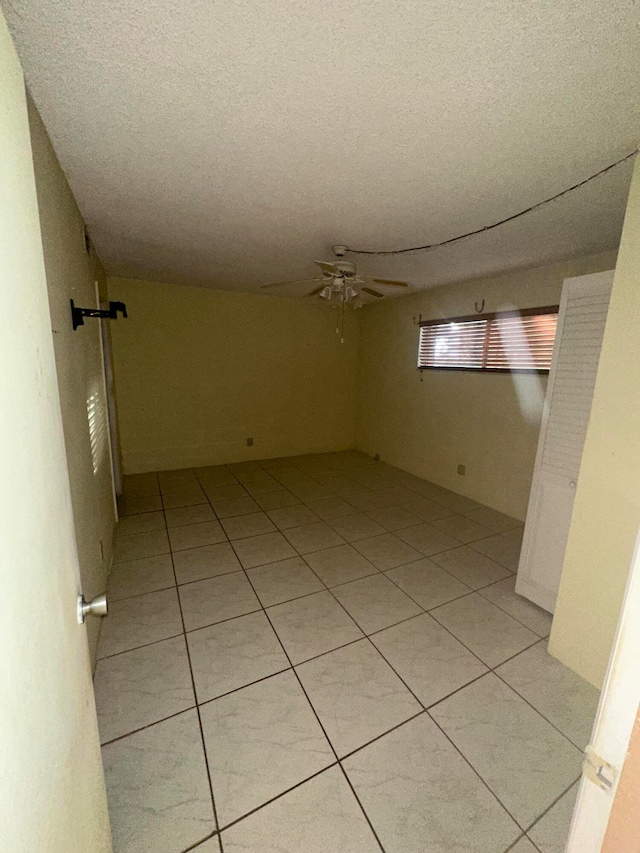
<point>96,607</point>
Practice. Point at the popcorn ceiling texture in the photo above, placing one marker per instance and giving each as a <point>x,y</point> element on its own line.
<point>229,144</point>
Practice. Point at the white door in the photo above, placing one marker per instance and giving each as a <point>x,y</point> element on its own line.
<point>581,321</point>
<point>52,796</point>
<point>613,725</point>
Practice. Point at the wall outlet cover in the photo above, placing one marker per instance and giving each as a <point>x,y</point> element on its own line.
<point>249,442</point>
<point>461,470</point>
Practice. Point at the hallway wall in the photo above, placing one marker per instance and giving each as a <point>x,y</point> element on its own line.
<point>198,371</point>
<point>71,274</point>
<point>606,512</point>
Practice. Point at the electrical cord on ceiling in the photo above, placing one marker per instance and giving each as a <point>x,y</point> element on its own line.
<point>431,246</point>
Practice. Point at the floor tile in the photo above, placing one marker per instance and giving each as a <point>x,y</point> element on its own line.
<point>190,497</point>
<point>321,816</point>
<point>430,661</point>
<point>523,845</point>
<point>235,506</point>
<point>394,517</point>
<point>176,481</point>
<point>261,741</point>
<point>210,846</point>
<point>427,539</point>
<point>330,508</point>
<point>196,535</point>
<point>375,603</point>
<point>484,629</point>
<point>243,526</point>
<point>195,564</point>
<point>339,565</point>
<point>136,577</point>
<point>140,620</point>
<point>253,475</point>
<point>427,584</point>
<point>398,495</point>
<point>189,515</point>
<point>141,687</point>
<point>258,550</point>
<point>366,501</point>
<point>494,520</point>
<point>500,549</point>
<point>284,580</point>
<point>313,537</point>
<point>504,595</point>
<point>233,654</point>
<point>462,504</point>
<point>500,735</point>
<point>565,699</point>
<point>387,551</point>
<point>263,487</point>
<point>157,786</point>
<point>356,695</point>
<point>516,534</point>
<point>140,545</point>
<point>344,487</point>
<point>216,494</point>
<point>461,528</point>
<point>210,478</point>
<point>134,505</point>
<point>427,510</point>
<point>216,599</point>
<point>292,516</point>
<point>471,567</point>
<point>421,795</point>
<point>143,522</point>
<point>141,485</point>
<point>358,526</point>
<point>551,832</point>
<point>312,625</point>
<point>276,500</point>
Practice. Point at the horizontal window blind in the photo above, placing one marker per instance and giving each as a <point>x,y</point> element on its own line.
<point>504,342</point>
<point>453,344</point>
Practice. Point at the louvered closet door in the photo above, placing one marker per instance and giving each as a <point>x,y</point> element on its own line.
<point>581,321</point>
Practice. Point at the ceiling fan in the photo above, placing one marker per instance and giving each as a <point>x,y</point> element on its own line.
<point>340,283</point>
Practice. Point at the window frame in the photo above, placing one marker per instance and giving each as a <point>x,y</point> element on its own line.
<point>495,315</point>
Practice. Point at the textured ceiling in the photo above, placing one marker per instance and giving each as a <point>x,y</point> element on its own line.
<point>230,143</point>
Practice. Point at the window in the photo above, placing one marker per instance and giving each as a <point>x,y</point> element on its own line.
<point>508,342</point>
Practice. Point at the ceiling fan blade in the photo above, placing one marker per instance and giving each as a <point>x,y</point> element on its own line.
<point>327,269</point>
<point>316,290</point>
<point>390,283</point>
<point>372,292</point>
<point>295,281</point>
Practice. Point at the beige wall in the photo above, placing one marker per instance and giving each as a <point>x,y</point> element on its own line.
<point>52,796</point>
<point>198,371</point>
<point>430,424</point>
<point>71,274</point>
<point>606,513</point>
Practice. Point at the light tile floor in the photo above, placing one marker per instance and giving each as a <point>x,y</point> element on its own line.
<point>325,654</point>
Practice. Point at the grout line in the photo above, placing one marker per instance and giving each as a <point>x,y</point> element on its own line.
<point>202,841</point>
<point>293,667</point>
<point>278,796</point>
<point>524,699</point>
<point>193,687</point>
<point>548,809</point>
<point>148,726</point>
<point>315,712</point>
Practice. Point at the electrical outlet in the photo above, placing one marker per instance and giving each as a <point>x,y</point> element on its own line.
<point>462,470</point>
<point>249,442</point>
<point>377,457</point>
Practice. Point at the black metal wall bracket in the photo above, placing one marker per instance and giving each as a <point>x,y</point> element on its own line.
<point>111,313</point>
